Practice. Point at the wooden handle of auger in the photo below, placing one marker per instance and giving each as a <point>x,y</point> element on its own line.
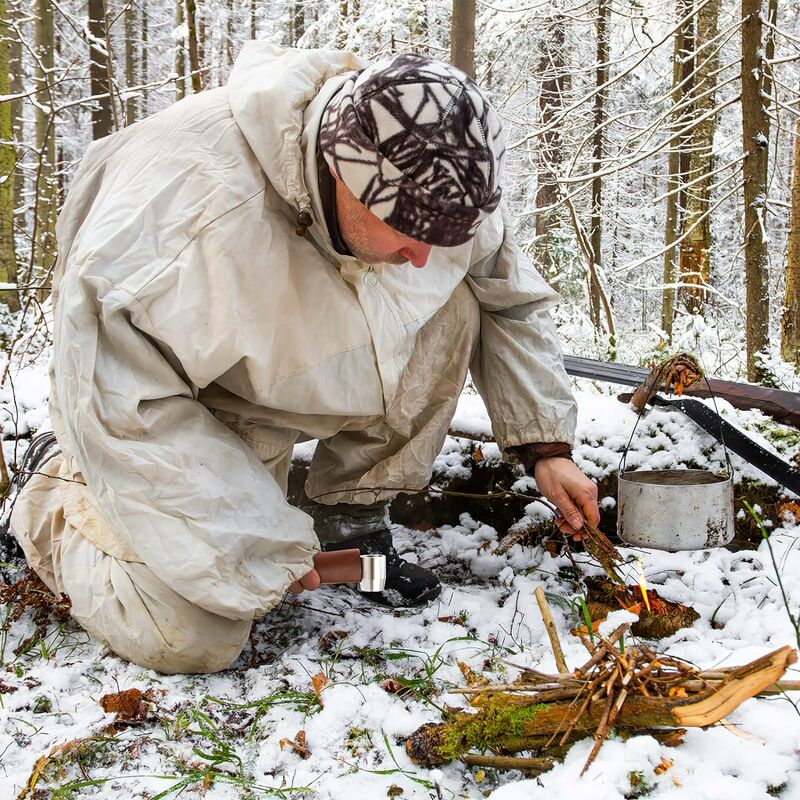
<point>338,566</point>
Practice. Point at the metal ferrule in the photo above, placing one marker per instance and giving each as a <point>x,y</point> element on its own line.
<point>373,573</point>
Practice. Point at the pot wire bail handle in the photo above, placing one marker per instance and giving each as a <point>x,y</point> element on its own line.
<point>720,434</point>
<point>639,414</point>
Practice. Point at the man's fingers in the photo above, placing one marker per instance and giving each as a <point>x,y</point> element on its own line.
<point>589,508</point>
<point>587,500</point>
<point>308,582</point>
<point>311,580</point>
<point>592,513</point>
<point>570,512</point>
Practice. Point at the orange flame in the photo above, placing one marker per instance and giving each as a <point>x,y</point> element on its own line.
<point>643,584</point>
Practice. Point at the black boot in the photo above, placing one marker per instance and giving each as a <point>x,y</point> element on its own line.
<point>407,585</point>
<point>42,448</point>
<point>343,526</point>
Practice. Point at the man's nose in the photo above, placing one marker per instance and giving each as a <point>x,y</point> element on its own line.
<point>417,253</point>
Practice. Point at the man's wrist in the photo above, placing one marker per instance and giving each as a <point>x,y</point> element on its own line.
<point>529,454</point>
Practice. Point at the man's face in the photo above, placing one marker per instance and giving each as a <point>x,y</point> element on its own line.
<point>371,239</point>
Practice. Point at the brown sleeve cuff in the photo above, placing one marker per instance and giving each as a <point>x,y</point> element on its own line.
<point>529,454</point>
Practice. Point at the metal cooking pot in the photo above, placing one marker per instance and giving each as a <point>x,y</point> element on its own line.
<point>675,509</point>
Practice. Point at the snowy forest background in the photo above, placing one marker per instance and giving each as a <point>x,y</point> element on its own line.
<point>652,145</point>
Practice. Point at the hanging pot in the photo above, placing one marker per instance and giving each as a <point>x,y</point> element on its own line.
<point>675,509</point>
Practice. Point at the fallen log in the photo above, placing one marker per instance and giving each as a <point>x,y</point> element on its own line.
<point>781,405</point>
<point>642,691</point>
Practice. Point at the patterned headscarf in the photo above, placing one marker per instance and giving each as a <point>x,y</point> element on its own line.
<point>416,141</point>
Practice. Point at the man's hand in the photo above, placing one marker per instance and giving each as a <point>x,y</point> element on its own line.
<point>575,496</point>
<point>307,583</point>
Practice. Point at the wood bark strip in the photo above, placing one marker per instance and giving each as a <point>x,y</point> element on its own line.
<point>745,682</point>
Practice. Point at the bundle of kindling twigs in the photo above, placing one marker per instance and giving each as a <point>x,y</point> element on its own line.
<point>632,690</point>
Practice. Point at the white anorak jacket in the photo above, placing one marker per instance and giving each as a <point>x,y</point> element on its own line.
<point>180,270</point>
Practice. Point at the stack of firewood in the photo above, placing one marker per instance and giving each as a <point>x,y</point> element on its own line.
<point>630,689</point>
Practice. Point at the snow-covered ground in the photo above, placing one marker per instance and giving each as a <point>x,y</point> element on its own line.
<point>220,736</point>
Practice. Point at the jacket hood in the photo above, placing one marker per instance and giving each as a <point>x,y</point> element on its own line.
<point>269,90</point>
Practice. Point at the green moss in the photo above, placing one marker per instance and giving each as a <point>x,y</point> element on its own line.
<point>782,436</point>
<point>486,729</point>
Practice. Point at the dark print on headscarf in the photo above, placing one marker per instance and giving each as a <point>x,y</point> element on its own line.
<point>417,143</point>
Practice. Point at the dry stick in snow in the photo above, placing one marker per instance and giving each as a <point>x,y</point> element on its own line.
<point>536,765</point>
<point>550,627</point>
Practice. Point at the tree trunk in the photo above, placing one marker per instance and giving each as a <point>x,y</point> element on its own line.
<point>298,16</point>
<point>341,29</point>
<point>549,153</point>
<point>229,36</point>
<point>252,19</point>
<point>45,188</point>
<point>462,36</point>
<point>194,61</point>
<point>180,53</point>
<point>418,28</point>
<point>8,158</point>
<point>790,322</point>
<point>695,247</point>
<point>596,220</point>
<point>130,62</point>
<point>676,195</point>
<point>144,71</point>
<point>15,66</point>
<point>755,130</point>
<point>98,70</point>
<point>200,27</point>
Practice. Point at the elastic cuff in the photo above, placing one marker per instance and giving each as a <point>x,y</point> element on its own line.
<point>529,454</point>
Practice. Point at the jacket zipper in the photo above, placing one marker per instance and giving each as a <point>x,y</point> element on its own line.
<point>371,281</point>
<point>370,278</point>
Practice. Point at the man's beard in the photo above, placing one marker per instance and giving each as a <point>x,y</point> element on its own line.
<point>362,251</point>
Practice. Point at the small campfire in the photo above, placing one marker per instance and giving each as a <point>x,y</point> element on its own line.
<point>658,618</point>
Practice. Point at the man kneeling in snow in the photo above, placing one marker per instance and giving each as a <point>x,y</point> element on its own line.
<point>241,272</point>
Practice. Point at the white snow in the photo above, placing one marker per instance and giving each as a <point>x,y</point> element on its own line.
<point>485,616</point>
